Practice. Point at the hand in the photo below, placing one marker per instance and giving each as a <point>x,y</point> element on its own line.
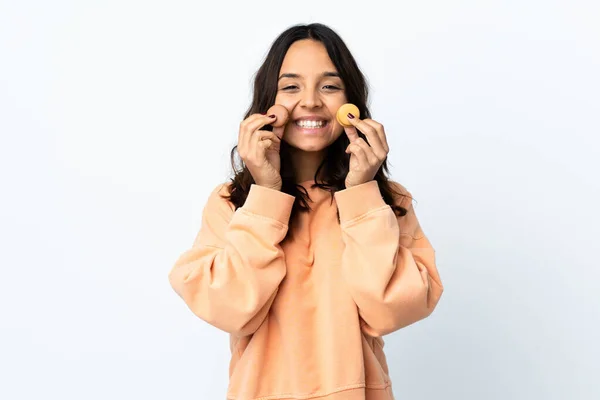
<point>259,149</point>
<point>366,157</point>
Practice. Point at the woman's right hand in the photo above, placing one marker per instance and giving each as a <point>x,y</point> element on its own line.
<point>259,150</point>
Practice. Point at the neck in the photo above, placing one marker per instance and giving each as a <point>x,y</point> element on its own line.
<point>306,163</point>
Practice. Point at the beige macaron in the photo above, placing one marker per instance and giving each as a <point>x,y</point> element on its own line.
<point>281,113</point>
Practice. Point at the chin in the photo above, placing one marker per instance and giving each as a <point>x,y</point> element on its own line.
<point>312,149</point>
<point>310,146</point>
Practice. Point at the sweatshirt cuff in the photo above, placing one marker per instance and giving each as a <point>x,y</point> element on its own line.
<point>358,200</point>
<point>269,203</point>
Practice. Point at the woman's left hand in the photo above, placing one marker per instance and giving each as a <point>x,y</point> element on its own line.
<point>366,157</point>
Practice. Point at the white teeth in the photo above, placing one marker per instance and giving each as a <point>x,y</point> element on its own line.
<point>311,124</point>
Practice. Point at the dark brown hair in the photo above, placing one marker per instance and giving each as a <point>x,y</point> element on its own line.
<point>334,168</point>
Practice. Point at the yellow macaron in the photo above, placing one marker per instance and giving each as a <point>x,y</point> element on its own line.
<point>342,114</point>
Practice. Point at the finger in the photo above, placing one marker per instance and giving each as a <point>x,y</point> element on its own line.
<point>352,133</point>
<point>265,144</point>
<point>368,151</point>
<point>380,132</point>
<point>263,135</point>
<point>256,122</point>
<point>259,122</point>
<point>249,126</point>
<point>256,151</point>
<point>371,134</point>
<point>358,152</point>
<point>258,148</point>
<point>249,121</point>
<point>245,134</point>
<point>278,131</point>
<point>269,142</point>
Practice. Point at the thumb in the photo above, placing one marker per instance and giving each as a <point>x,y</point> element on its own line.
<point>351,132</point>
<point>278,131</point>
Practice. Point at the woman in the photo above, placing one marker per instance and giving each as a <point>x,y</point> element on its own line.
<point>310,254</point>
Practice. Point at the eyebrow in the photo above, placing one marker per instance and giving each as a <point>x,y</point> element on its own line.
<point>324,74</point>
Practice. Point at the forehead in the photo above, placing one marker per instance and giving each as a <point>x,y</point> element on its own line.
<point>307,57</point>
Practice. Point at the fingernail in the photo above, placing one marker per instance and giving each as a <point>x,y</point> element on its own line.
<point>350,116</point>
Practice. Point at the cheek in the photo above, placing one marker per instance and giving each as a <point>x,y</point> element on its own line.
<point>337,130</point>
<point>334,106</point>
<point>286,101</point>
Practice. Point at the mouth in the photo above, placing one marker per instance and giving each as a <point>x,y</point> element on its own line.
<point>311,125</point>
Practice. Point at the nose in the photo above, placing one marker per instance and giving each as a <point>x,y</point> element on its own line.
<point>310,99</point>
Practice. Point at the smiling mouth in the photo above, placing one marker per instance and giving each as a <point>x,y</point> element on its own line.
<point>311,124</point>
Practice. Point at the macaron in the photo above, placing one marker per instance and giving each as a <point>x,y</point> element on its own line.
<point>342,113</point>
<point>281,115</point>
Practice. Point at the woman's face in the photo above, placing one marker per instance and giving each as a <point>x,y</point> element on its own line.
<point>310,88</point>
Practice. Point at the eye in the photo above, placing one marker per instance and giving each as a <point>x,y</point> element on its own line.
<point>331,87</point>
<point>290,87</point>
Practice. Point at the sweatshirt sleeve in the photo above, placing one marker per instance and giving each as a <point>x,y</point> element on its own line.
<point>231,274</point>
<point>388,262</point>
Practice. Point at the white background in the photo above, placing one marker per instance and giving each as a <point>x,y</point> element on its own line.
<point>116,121</point>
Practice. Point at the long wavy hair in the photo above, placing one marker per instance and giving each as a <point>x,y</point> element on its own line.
<point>332,172</point>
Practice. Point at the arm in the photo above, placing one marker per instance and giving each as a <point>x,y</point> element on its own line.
<point>388,262</point>
<point>231,274</point>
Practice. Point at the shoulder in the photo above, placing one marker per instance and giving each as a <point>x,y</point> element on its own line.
<point>219,197</point>
<point>402,196</point>
<point>410,227</point>
<point>222,189</point>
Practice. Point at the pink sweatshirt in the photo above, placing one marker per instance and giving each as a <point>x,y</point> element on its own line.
<point>306,315</point>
